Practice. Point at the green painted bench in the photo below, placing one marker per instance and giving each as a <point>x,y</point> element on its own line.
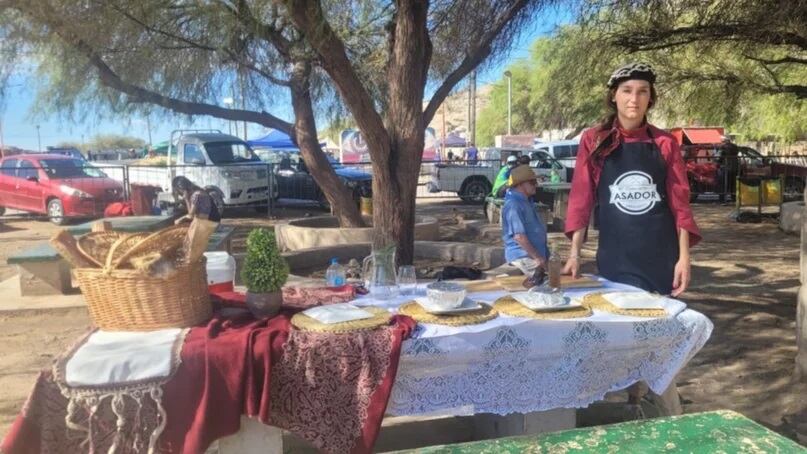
<point>129,224</point>
<point>709,432</point>
<point>44,272</point>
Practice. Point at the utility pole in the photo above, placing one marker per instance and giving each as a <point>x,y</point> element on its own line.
<point>2,144</point>
<point>38,139</point>
<point>148,127</point>
<point>509,77</point>
<point>241,78</point>
<point>443,143</point>
<point>473,107</point>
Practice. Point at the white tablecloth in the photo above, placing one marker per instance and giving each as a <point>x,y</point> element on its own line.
<point>512,364</point>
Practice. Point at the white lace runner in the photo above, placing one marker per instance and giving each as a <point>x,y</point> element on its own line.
<point>539,365</point>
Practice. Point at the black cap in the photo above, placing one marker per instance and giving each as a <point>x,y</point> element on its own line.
<point>640,71</point>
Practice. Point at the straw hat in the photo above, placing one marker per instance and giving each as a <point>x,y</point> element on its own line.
<point>521,174</point>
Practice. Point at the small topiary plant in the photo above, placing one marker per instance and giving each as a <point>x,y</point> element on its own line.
<point>265,270</point>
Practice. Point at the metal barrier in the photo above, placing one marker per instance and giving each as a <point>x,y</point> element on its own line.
<point>66,189</point>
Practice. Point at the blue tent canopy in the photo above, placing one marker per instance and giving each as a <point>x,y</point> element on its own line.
<point>454,140</point>
<point>276,139</point>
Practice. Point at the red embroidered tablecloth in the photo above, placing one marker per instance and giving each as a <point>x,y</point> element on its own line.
<point>329,389</point>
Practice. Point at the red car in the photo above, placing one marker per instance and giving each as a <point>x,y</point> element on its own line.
<point>60,186</point>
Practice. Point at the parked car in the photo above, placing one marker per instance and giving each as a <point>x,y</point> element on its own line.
<point>474,183</point>
<point>66,151</point>
<point>224,165</point>
<point>56,185</point>
<point>294,181</point>
<point>564,151</point>
<point>710,169</point>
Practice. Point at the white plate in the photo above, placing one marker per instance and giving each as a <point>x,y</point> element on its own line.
<point>634,300</point>
<point>570,304</point>
<point>468,305</point>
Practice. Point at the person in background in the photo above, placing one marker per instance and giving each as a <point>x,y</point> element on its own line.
<point>200,204</point>
<point>523,233</point>
<point>450,156</point>
<point>728,162</point>
<point>471,155</point>
<point>632,173</point>
<point>500,183</point>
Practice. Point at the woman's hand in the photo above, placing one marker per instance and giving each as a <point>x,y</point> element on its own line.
<point>572,267</point>
<point>681,276</point>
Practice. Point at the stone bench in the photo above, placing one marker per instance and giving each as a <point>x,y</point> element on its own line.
<point>493,211</point>
<point>42,271</point>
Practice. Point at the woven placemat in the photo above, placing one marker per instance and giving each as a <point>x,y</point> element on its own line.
<point>596,301</point>
<point>380,317</point>
<point>508,305</point>
<point>420,315</point>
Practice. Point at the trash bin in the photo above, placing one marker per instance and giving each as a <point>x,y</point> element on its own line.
<point>143,198</point>
<point>366,206</point>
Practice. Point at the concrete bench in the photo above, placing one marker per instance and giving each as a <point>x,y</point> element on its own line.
<point>42,271</point>
<point>493,211</point>
<point>715,431</point>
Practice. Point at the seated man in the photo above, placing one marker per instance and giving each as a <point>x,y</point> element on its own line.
<point>500,184</point>
<point>524,236</point>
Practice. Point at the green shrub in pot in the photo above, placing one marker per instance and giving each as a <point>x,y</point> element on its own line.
<point>264,273</point>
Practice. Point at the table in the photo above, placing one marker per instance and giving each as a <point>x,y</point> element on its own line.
<point>515,365</point>
<point>511,365</point>
<point>714,431</point>
<point>560,201</point>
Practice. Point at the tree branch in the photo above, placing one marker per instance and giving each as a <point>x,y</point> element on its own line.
<point>137,94</point>
<point>309,18</point>
<point>471,61</point>
<point>780,61</point>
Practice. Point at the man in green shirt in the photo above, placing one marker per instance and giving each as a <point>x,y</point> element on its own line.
<point>504,174</point>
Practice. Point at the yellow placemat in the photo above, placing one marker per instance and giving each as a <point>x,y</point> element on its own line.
<point>508,305</point>
<point>515,283</point>
<point>596,301</point>
<point>380,317</point>
<point>420,315</point>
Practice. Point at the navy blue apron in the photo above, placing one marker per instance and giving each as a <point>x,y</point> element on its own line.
<point>638,242</point>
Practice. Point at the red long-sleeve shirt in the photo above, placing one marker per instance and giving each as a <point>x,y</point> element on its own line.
<point>587,176</point>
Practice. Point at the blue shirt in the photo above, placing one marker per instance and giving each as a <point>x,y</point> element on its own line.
<point>519,216</point>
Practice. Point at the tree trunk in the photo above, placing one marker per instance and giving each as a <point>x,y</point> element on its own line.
<point>305,130</point>
<point>394,218</point>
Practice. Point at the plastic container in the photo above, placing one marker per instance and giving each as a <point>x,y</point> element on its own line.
<point>220,271</point>
<point>335,274</point>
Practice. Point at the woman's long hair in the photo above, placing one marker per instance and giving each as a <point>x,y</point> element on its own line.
<point>604,138</point>
<point>181,185</point>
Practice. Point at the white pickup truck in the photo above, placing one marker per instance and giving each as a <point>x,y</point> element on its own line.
<point>473,183</point>
<point>222,164</point>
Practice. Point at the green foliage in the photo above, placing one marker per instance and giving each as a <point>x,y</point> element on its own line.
<point>265,270</point>
<point>562,85</point>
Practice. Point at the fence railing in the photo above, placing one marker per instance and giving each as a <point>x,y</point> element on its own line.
<point>54,191</point>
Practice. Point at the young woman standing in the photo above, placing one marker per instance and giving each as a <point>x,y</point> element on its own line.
<point>633,175</point>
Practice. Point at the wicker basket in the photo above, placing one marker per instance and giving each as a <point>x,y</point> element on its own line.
<point>130,300</point>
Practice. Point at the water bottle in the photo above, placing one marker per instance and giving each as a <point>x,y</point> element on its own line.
<point>335,275</point>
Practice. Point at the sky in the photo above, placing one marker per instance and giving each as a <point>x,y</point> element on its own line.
<point>20,128</point>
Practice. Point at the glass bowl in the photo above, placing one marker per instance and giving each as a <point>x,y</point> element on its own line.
<point>445,295</point>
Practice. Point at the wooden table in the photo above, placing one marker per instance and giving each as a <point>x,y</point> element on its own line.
<point>560,202</point>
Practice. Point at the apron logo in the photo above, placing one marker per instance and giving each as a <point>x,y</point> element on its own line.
<point>634,193</point>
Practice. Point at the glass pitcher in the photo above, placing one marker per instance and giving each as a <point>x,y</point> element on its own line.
<point>378,273</point>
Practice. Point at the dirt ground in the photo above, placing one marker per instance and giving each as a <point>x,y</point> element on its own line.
<point>745,279</point>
